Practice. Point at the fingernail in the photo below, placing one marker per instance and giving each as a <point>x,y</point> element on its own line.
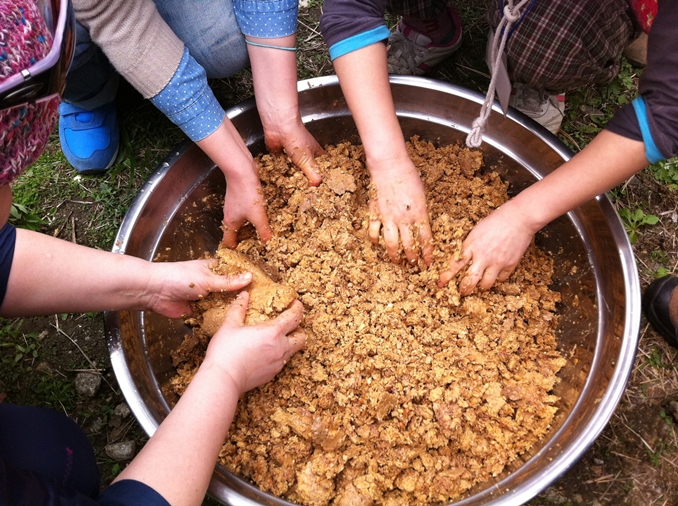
<point>245,276</point>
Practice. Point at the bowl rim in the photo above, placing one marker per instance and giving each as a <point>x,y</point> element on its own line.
<point>632,315</point>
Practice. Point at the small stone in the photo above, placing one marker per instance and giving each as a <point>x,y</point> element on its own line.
<point>554,496</point>
<point>96,425</point>
<point>577,498</point>
<point>598,462</point>
<point>43,335</point>
<point>122,451</point>
<point>45,368</point>
<point>122,410</point>
<point>673,409</point>
<point>87,384</point>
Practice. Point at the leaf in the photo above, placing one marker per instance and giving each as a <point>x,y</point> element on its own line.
<point>651,219</point>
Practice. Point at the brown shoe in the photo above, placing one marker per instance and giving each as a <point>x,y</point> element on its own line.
<point>636,51</point>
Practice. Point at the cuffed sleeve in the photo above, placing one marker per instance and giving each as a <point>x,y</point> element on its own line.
<point>131,493</point>
<point>189,102</point>
<point>348,25</point>
<point>267,19</point>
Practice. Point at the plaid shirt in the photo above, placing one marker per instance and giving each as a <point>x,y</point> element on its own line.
<point>560,45</point>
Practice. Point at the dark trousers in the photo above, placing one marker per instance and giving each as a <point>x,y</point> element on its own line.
<point>47,443</point>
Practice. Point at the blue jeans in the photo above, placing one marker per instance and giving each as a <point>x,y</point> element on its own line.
<point>207,28</point>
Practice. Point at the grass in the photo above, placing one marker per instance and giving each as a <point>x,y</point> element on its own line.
<point>39,357</point>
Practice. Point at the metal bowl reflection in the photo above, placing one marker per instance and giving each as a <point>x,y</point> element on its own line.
<point>594,271</point>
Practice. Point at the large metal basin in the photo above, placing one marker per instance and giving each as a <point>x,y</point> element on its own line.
<point>601,297</point>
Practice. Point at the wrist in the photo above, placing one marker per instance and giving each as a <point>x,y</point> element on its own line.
<point>531,217</point>
<point>390,166</point>
<point>240,172</point>
<point>282,120</point>
<point>220,374</point>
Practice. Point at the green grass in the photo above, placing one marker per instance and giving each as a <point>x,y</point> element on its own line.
<point>24,376</point>
<point>96,204</point>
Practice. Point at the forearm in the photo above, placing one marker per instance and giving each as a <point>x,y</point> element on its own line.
<point>188,441</point>
<point>606,162</point>
<point>49,275</point>
<point>363,76</point>
<point>226,149</point>
<point>277,98</point>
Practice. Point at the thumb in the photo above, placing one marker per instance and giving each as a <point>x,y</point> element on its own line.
<point>227,282</point>
<point>297,340</point>
<point>235,315</point>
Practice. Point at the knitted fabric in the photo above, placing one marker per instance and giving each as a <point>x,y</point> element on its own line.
<point>24,129</point>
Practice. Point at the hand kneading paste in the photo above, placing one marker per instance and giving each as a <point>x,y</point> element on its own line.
<point>406,393</point>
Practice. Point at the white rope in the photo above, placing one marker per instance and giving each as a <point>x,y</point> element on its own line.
<point>511,15</point>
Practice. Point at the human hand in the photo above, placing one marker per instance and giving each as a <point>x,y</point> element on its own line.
<point>299,144</point>
<point>398,205</point>
<point>173,284</point>
<point>492,250</point>
<point>253,355</point>
<point>244,201</point>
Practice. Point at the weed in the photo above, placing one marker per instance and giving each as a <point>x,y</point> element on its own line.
<point>668,419</point>
<point>21,216</point>
<point>16,349</point>
<point>661,272</point>
<point>656,455</point>
<point>19,353</point>
<point>654,359</point>
<point>663,260</point>
<point>634,220</point>
<point>666,172</point>
<point>588,109</point>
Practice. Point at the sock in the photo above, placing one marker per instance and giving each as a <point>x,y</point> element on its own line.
<point>673,307</point>
<point>441,30</point>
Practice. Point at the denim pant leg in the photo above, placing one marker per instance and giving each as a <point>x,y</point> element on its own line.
<point>210,31</point>
<point>92,81</point>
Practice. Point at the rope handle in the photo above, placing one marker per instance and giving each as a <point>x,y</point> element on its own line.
<point>511,15</point>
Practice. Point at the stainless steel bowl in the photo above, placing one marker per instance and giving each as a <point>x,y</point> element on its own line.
<point>594,270</point>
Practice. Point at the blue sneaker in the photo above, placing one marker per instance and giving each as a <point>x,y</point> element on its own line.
<point>89,139</point>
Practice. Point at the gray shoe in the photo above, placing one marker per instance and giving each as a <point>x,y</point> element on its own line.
<point>547,110</point>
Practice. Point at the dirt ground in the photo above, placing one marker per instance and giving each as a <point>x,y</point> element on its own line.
<point>633,462</point>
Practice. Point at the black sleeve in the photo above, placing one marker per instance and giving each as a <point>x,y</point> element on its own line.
<point>658,86</point>
<point>342,19</point>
